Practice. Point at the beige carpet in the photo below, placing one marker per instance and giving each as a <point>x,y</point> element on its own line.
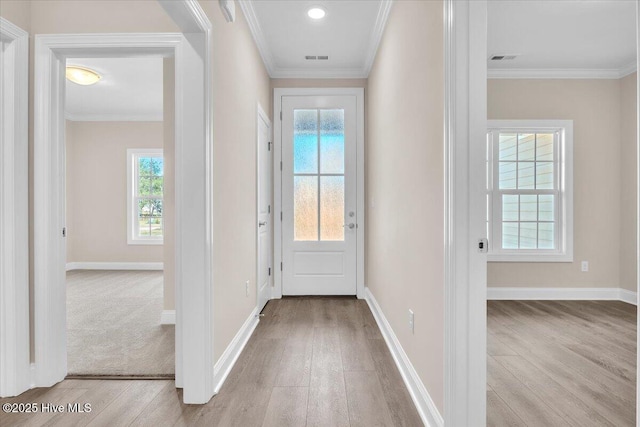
<point>113,324</point>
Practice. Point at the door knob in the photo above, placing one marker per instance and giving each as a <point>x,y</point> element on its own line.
<point>261,223</point>
<point>350,225</point>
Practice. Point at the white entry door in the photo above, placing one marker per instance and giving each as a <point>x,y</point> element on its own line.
<point>264,211</point>
<point>319,200</point>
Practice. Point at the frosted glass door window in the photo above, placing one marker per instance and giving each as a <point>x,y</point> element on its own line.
<point>305,207</point>
<point>332,207</point>
<point>318,169</point>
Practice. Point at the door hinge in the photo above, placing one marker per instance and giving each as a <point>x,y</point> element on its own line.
<point>280,166</point>
<point>280,115</point>
<point>269,146</point>
<point>280,266</point>
<point>269,209</point>
<point>269,271</point>
<point>280,216</point>
<point>64,231</point>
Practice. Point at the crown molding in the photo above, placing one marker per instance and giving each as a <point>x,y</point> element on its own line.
<point>630,68</point>
<point>258,35</point>
<point>113,117</point>
<point>378,31</point>
<point>559,73</point>
<point>327,73</point>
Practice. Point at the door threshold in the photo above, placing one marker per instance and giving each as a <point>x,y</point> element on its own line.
<point>121,377</point>
<point>320,296</point>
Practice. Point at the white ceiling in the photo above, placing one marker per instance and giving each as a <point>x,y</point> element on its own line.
<point>349,34</point>
<point>130,90</point>
<point>563,38</point>
<point>559,38</point>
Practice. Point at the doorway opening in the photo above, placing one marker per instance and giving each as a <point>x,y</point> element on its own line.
<point>119,209</point>
<point>193,368</point>
<point>319,192</point>
<point>562,282</point>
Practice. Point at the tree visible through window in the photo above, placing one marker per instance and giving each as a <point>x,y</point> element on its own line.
<point>146,184</point>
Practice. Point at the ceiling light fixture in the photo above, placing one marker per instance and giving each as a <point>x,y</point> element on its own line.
<point>82,76</point>
<point>316,13</point>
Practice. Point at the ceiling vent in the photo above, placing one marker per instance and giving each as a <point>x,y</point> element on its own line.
<point>314,57</point>
<point>503,57</point>
<point>310,57</point>
<point>323,58</point>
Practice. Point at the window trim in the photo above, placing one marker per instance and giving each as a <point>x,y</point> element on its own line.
<point>564,207</point>
<point>132,239</point>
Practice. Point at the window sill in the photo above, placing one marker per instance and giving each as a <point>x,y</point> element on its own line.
<point>505,257</point>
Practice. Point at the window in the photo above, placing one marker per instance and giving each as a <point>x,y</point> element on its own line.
<point>318,175</point>
<point>145,184</point>
<point>530,191</point>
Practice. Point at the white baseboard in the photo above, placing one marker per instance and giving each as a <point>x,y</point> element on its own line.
<point>33,375</point>
<point>598,294</point>
<point>424,404</point>
<point>115,266</point>
<point>629,297</point>
<point>224,365</point>
<point>168,317</point>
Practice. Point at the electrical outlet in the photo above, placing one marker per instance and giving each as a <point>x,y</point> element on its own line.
<point>585,266</point>
<point>411,324</point>
<point>246,288</point>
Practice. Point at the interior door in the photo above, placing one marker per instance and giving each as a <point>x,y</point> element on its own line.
<point>319,218</point>
<point>264,211</point>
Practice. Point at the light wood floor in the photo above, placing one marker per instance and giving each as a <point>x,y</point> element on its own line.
<point>561,363</point>
<point>311,361</point>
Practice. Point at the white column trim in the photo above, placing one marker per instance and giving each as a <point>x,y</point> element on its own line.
<point>194,203</point>
<point>465,268</point>
<point>638,206</point>
<point>14,214</point>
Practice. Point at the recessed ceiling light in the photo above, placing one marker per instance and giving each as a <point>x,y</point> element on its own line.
<point>316,13</point>
<point>82,76</point>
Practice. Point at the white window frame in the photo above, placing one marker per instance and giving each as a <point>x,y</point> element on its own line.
<point>563,188</point>
<point>132,184</point>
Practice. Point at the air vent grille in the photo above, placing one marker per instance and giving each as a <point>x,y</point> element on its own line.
<point>318,57</point>
<point>310,57</point>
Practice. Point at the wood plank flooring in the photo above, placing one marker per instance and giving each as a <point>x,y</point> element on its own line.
<point>311,362</point>
<point>561,363</point>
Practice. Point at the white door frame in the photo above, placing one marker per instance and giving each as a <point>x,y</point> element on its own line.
<point>638,210</point>
<point>14,211</point>
<point>262,115</point>
<point>278,93</point>
<point>193,171</point>
<point>465,267</point>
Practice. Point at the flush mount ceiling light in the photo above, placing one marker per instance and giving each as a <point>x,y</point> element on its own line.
<point>82,76</point>
<point>316,12</point>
